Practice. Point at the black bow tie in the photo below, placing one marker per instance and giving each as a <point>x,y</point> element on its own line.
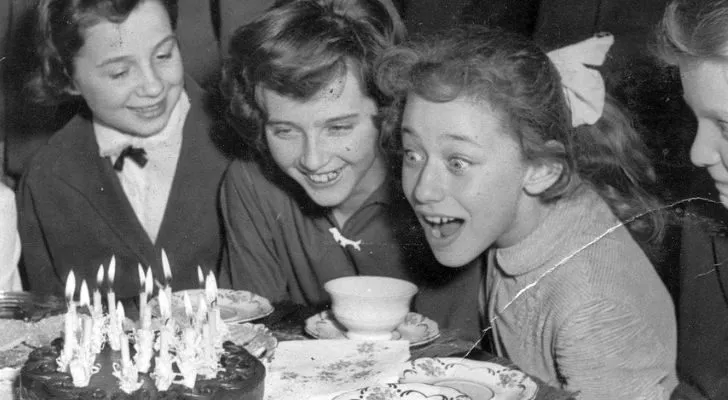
<point>138,155</point>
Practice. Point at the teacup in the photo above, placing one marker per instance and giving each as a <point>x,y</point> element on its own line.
<point>370,307</point>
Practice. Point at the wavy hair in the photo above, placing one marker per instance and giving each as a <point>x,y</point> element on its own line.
<point>59,35</point>
<point>297,49</point>
<point>514,76</point>
<point>693,29</point>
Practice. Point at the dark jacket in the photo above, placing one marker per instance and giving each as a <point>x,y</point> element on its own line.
<point>74,215</point>
<point>703,299</point>
<point>203,28</point>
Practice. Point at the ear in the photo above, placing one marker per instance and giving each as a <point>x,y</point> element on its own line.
<point>543,174</point>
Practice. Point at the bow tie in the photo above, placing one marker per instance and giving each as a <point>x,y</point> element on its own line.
<point>138,155</point>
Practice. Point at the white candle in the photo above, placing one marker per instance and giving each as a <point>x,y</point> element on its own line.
<point>211,294</point>
<point>87,321</point>
<point>98,308</point>
<point>110,296</point>
<point>123,339</point>
<point>148,289</point>
<point>165,311</point>
<point>69,339</point>
<point>188,307</point>
<point>167,275</point>
<point>142,294</point>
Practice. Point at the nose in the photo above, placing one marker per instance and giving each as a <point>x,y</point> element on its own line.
<point>313,156</point>
<point>704,151</point>
<point>428,187</point>
<point>151,84</point>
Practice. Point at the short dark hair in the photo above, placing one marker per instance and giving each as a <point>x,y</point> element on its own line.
<point>299,47</point>
<point>60,25</point>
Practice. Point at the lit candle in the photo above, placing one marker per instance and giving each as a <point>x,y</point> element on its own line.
<point>69,339</point>
<point>188,307</point>
<point>146,315</point>
<point>201,310</point>
<point>142,294</point>
<point>211,294</point>
<point>165,312</point>
<point>87,320</point>
<point>98,307</point>
<point>110,296</point>
<point>123,339</point>
<point>167,275</point>
<point>200,277</point>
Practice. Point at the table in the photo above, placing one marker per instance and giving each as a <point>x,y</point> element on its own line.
<point>288,320</point>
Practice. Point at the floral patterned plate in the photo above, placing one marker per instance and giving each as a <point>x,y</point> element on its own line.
<point>419,330</point>
<point>236,306</point>
<point>478,379</point>
<point>398,391</point>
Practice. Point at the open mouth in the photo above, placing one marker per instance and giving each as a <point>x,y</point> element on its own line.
<point>325,178</point>
<point>442,227</point>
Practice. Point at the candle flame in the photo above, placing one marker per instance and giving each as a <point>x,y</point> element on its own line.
<point>188,304</point>
<point>85,299</point>
<point>142,276</point>
<point>100,276</point>
<point>200,277</point>
<point>165,268</point>
<point>112,272</point>
<point>164,308</point>
<point>70,286</point>
<point>211,288</point>
<point>149,283</point>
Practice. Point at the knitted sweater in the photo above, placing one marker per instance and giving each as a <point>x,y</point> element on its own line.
<point>578,304</point>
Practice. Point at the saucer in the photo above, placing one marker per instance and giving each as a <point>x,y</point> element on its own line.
<point>480,380</point>
<point>398,391</point>
<point>236,306</point>
<point>416,328</point>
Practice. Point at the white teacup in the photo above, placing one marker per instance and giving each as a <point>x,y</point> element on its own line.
<point>370,307</point>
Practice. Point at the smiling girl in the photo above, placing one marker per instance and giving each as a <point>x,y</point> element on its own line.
<point>136,171</point>
<point>316,201</point>
<point>495,169</point>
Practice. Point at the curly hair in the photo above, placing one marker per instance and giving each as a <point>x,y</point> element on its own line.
<point>59,35</point>
<point>297,49</point>
<point>516,78</point>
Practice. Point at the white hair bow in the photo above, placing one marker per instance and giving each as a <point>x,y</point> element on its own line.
<point>583,86</point>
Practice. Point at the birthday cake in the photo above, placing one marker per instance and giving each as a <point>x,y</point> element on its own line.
<point>241,376</point>
<point>101,357</point>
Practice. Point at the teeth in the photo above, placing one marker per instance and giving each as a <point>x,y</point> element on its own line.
<point>439,220</point>
<point>324,178</point>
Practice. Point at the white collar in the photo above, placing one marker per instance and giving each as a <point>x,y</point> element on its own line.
<point>111,141</point>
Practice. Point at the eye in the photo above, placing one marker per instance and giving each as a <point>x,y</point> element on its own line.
<point>411,157</point>
<point>340,129</point>
<point>723,126</point>
<point>119,74</point>
<point>164,56</point>
<point>283,132</point>
<point>458,165</point>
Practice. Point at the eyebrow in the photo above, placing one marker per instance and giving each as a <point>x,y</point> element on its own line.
<point>126,57</point>
<point>325,122</point>
<point>455,137</point>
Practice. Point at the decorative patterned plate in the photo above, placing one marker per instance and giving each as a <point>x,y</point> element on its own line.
<point>419,330</point>
<point>410,391</point>
<point>236,306</point>
<point>478,379</point>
